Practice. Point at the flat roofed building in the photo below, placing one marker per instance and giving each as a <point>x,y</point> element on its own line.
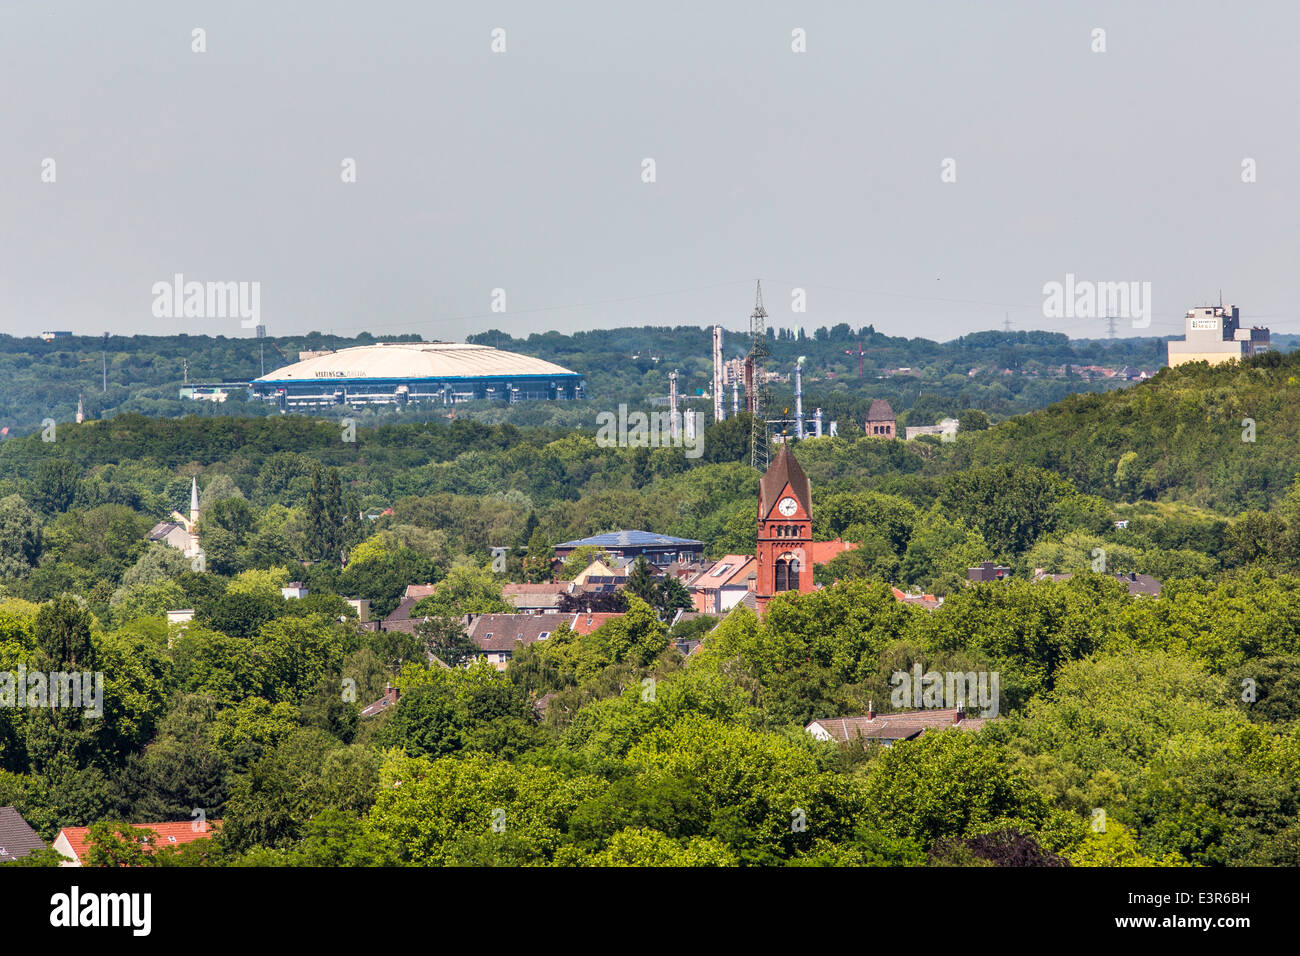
<point>398,373</point>
<point>658,549</point>
<point>1214,334</point>
<point>947,427</point>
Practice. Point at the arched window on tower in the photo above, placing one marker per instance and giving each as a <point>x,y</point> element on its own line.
<point>782,577</point>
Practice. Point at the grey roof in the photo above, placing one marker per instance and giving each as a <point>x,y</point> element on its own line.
<point>499,632</point>
<point>401,613</point>
<point>630,539</point>
<point>1140,584</point>
<point>880,411</point>
<point>17,838</point>
<point>891,727</point>
<point>162,529</point>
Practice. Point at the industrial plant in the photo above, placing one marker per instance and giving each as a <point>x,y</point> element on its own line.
<point>1214,334</point>
<point>751,374</point>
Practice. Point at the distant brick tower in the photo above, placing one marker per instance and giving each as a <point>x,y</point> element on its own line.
<point>881,421</point>
<point>784,530</point>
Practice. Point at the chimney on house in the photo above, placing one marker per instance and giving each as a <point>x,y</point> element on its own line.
<point>871,710</point>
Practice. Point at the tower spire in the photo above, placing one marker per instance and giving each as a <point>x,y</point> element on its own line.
<point>193,529</point>
<point>759,398</point>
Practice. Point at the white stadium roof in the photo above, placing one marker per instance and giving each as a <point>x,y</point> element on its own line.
<point>413,360</point>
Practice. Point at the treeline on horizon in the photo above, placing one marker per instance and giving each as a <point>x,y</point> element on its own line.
<point>44,379</point>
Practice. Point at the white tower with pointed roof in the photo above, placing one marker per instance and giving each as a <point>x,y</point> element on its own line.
<point>193,529</point>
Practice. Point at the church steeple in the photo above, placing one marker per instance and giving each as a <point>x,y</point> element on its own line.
<point>784,530</point>
<point>193,529</point>
<point>81,410</point>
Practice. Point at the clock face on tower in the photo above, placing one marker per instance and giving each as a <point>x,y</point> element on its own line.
<point>787,507</point>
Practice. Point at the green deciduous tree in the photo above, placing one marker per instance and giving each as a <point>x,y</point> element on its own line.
<point>20,536</point>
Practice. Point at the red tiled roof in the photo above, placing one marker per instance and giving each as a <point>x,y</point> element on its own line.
<point>823,551</point>
<point>169,834</point>
<point>927,601</point>
<point>739,567</point>
<point>534,595</point>
<point>586,623</point>
<point>529,588</point>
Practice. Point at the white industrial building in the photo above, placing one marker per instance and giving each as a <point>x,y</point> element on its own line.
<point>1214,334</point>
<point>397,373</point>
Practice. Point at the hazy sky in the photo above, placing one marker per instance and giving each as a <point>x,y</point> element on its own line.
<point>523,170</point>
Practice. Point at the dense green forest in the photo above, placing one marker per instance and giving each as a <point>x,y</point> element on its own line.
<point>1173,717</point>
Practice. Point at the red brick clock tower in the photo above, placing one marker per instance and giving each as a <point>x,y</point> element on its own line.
<point>784,530</point>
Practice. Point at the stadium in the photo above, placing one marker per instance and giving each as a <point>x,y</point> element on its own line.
<point>398,373</point>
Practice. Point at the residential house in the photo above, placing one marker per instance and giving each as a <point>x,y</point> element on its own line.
<point>497,634</point>
<point>723,584</point>
<point>535,598</point>
<point>987,571</point>
<point>588,621</point>
<point>1139,585</point>
<point>400,618</point>
<point>181,533</point>
<point>17,838</point>
<point>171,534</point>
<point>927,601</point>
<point>389,699</point>
<point>888,729</point>
<point>73,842</point>
<point>600,570</point>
